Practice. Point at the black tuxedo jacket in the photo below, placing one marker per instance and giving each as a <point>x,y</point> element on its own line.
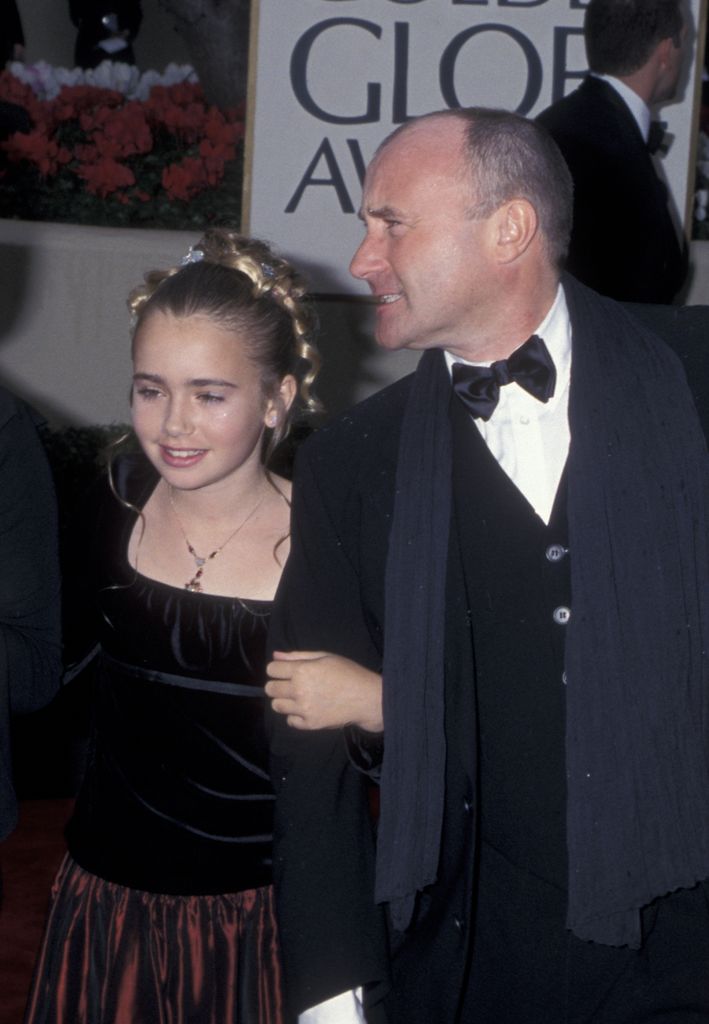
<point>623,241</point>
<point>332,597</point>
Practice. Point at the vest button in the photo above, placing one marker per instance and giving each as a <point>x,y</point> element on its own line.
<point>561,615</point>
<point>555,552</point>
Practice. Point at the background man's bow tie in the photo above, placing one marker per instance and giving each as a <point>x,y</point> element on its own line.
<point>659,139</point>
<point>530,366</point>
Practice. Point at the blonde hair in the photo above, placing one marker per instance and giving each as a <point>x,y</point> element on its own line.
<point>240,284</point>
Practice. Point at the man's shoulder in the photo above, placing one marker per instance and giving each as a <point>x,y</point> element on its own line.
<point>685,329</point>
<point>370,427</point>
<point>593,110</point>
<point>11,406</point>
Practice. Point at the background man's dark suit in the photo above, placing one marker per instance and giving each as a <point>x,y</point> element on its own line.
<point>333,592</point>
<point>623,242</point>
<point>88,17</point>
<point>11,34</point>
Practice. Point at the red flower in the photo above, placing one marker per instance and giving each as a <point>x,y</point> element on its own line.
<point>184,180</point>
<point>213,160</point>
<point>73,100</point>
<point>46,154</point>
<point>100,137</point>
<point>131,129</point>
<point>105,177</point>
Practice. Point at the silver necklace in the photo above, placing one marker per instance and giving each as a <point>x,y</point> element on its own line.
<point>194,584</point>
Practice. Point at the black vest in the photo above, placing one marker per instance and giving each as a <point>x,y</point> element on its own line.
<point>516,570</point>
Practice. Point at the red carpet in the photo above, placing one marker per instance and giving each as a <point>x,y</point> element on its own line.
<point>29,859</point>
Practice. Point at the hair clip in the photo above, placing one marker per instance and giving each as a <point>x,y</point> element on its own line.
<point>193,256</point>
<point>268,270</point>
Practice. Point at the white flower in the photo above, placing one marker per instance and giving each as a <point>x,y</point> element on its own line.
<point>68,76</point>
<point>114,75</point>
<point>175,73</point>
<point>47,81</point>
<point>147,80</point>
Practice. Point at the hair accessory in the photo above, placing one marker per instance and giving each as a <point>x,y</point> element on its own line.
<point>193,256</point>
<point>268,270</point>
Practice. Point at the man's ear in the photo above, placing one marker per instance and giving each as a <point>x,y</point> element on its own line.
<point>663,53</point>
<point>517,225</point>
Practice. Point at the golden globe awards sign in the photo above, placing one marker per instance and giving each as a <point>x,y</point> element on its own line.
<point>329,79</point>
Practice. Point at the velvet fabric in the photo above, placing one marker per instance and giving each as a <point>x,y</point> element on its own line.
<point>163,913</point>
<point>177,796</point>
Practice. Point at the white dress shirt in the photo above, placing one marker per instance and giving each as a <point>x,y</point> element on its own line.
<point>530,439</point>
<point>637,106</point>
<point>345,1008</point>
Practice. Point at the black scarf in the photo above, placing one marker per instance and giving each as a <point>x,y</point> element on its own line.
<point>637,726</point>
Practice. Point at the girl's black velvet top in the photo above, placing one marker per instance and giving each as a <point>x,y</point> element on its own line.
<point>176,797</point>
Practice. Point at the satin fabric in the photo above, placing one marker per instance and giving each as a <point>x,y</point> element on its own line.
<point>132,957</point>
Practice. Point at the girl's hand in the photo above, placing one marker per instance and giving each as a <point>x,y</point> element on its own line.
<point>317,690</point>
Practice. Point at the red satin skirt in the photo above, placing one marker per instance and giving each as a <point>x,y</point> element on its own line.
<point>112,955</point>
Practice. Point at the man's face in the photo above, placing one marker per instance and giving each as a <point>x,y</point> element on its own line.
<point>428,264</point>
<point>670,73</point>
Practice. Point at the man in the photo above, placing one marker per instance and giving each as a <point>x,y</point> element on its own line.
<point>12,38</point>
<point>522,550</point>
<point>105,30</point>
<point>30,642</point>
<point>624,242</point>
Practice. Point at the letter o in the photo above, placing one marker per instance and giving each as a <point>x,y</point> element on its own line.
<point>452,51</point>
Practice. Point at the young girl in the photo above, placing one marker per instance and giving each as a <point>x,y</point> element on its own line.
<point>163,909</point>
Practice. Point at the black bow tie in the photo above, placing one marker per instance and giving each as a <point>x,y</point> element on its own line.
<point>530,366</point>
<point>659,139</point>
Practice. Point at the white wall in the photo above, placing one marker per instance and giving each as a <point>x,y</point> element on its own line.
<point>64,333</point>
<point>65,330</point>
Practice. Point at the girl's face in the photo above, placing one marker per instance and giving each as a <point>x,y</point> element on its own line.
<point>197,403</point>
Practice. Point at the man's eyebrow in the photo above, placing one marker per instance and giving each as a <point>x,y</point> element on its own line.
<point>380,213</point>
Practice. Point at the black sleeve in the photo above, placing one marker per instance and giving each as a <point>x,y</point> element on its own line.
<point>130,15</point>
<point>30,652</point>
<point>332,932</point>
<point>13,23</point>
<point>77,11</point>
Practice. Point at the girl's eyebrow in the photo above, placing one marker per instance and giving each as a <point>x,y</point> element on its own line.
<point>196,382</point>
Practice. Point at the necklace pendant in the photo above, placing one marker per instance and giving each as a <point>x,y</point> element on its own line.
<point>199,562</point>
<point>194,585</point>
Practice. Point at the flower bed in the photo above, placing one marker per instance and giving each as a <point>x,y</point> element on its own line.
<point>113,147</point>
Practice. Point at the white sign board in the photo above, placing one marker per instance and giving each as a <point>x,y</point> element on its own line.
<point>331,78</point>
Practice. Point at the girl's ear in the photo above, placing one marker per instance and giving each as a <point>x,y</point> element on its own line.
<point>281,402</point>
